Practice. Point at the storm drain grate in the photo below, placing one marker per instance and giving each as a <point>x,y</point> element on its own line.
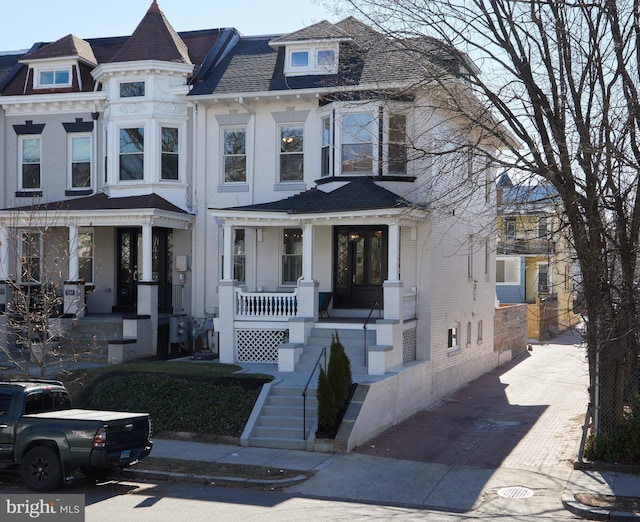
<point>515,492</point>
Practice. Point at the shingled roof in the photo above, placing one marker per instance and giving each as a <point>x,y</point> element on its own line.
<point>103,202</point>
<point>360,194</point>
<point>154,39</point>
<point>68,46</point>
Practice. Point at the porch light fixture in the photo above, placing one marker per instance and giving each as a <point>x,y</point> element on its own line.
<point>354,236</point>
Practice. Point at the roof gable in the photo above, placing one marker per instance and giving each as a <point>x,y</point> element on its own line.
<point>154,39</point>
<point>69,46</point>
<point>317,32</point>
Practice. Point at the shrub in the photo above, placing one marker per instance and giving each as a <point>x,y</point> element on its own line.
<point>622,447</point>
<point>339,372</point>
<point>327,409</point>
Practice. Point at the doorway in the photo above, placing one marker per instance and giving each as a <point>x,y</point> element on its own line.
<point>129,268</point>
<point>360,265</point>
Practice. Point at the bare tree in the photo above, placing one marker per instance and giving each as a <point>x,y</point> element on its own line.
<point>562,77</point>
<point>39,255</point>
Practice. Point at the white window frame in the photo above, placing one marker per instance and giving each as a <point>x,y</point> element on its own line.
<point>313,65</point>
<point>341,137</point>
<point>389,144</point>
<point>282,153</point>
<point>518,270</point>
<point>284,254</point>
<point>21,161</point>
<point>144,85</point>
<point>468,333</point>
<point>453,338</point>
<point>70,140</point>
<point>120,153</point>
<point>549,285</point>
<point>39,84</point>
<point>177,153</point>
<point>223,155</point>
<point>480,331</point>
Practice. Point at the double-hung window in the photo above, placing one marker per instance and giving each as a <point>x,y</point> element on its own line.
<point>239,255</point>
<point>30,163</point>
<point>85,255</point>
<point>357,143</point>
<point>397,146</point>
<point>169,153</point>
<point>291,152</point>
<point>132,154</point>
<point>80,155</point>
<point>234,153</point>
<point>291,256</point>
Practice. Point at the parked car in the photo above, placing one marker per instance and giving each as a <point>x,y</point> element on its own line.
<point>48,440</point>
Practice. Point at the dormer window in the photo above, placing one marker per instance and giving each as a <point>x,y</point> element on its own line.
<point>311,59</point>
<point>54,78</point>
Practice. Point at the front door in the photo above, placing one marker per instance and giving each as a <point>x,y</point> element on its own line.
<point>360,266</point>
<point>129,268</point>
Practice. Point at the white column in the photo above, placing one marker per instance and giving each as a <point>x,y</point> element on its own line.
<point>394,253</point>
<point>4,253</point>
<point>74,259</point>
<point>227,252</point>
<point>307,252</point>
<point>147,257</point>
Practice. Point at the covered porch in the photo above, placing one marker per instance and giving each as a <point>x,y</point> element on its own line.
<point>353,251</point>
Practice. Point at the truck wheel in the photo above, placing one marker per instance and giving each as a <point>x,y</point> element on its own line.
<point>41,470</point>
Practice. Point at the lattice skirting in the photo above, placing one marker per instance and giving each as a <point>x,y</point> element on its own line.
<point>259,346</point>
<point>409,341</point>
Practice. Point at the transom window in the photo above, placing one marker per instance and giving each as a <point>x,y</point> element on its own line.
<point>169,153</point>
<point>54,78</point>
<point>291,152</point>
<point>30,163</point>
<point>132,89</point>
<point>234,152</point>
<point>132,154</point>
<point>80,161</point>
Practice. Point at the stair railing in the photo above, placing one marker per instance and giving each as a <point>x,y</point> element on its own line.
<point>306,388</point>
<point>375,305</point>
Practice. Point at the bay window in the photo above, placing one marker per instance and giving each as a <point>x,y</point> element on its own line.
<point>132,154</point>
<point>169,160</point>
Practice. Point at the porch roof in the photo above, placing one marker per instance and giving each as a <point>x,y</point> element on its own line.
<point>362,197</point>
<point>100,210</point>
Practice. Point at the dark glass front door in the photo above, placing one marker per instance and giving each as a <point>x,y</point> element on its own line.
<point>129,268</point>
<point>360,266</point>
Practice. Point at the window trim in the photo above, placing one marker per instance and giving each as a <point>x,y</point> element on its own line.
<point>281,153</point>
<point>120,153</point>
<point>313,66</point>
<point>453,338</point>
<point>283,231</point>
<point>132,82</point>
<point>223,155</point>
<point>71,137</point>
<point>21,140</point>
<point>177,153</point>
<point>38,84</point>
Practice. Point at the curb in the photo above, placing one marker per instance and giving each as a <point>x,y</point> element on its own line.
<point>210,480</point>
<point>593,513</point>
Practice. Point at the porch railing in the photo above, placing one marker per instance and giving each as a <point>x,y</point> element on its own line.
<point>267,306</point>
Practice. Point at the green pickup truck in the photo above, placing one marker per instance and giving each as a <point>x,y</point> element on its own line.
<point>48,440</point>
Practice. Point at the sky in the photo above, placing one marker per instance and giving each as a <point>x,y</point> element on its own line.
<point>28,21</point>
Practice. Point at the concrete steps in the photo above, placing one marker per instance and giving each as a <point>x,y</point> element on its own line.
<point>352,340</point>
<point>87,337</point>
<point>280,423</point>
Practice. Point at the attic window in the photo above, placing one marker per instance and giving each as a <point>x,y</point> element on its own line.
<point>54,78</point>
<point>131,89</point>
<point>312,59</point>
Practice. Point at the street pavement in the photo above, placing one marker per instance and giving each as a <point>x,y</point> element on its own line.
<point>503,445</point>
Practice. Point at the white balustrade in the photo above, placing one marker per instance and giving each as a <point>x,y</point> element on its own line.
<point>266,306</point>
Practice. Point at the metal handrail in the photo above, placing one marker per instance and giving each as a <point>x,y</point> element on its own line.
<point>375,305</point>
<point>306,388</point>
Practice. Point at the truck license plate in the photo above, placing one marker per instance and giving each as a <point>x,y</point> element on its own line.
<point>125,454</point>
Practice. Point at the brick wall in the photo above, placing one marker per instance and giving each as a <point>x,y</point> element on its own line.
<point>510,329</point>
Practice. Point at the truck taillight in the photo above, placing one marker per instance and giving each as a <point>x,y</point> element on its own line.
<point>100,438</point>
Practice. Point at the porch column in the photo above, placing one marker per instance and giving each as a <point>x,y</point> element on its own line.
<point>394,253</point>
<point>73,299</point>
<point>227,252</point>
<point>307,252</point>
<point>147,257</point>
<point>148,288</point>
<point>5,288</point>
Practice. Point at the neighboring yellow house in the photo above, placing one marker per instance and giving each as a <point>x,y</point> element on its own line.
<point>534,261</point>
